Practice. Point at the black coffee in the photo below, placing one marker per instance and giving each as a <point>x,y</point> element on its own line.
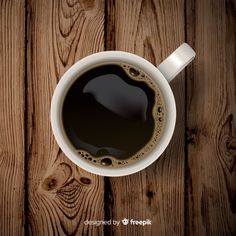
<point>113,114</point>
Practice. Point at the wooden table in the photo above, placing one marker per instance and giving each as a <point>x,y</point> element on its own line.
<point>190,190</point>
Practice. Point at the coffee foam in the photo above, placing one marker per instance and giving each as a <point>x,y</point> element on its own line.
<point>159,115</point>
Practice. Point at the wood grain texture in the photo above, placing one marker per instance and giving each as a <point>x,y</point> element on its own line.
<point>61,195</point>
<point>211,119</point>
<point>152,29</point>
<point>43,193</point>
<point>12,57</point>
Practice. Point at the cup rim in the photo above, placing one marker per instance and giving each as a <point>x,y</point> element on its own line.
<point>72,74</point>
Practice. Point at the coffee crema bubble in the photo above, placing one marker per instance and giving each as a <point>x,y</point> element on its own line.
<point>113,115</point>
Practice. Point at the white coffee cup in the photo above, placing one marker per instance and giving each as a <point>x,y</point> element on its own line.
<point>160,75</point>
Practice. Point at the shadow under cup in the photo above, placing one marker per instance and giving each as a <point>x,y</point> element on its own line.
<point>113,113</point>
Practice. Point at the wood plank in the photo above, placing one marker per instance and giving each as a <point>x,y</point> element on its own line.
<point>12,57</point>
<point>151,29</point>
<point>61,195</point>
<point>211,118</point>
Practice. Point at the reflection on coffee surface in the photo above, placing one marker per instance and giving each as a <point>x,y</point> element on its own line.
<point>113,114</point>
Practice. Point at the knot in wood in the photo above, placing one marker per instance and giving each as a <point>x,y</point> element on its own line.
<point>191,136</point>
<point>85,180</point>
<point>50,184</point>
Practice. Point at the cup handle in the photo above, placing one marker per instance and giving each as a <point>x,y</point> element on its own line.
<point>176,61</point>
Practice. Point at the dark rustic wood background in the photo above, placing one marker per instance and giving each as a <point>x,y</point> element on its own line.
<point>190,190</point>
